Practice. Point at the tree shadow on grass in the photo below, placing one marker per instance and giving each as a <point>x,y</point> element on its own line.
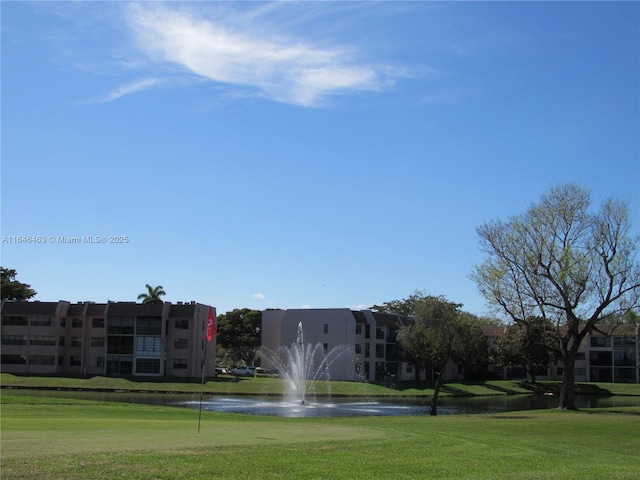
<point>455,391</point>
<point>554,388</point>
<point>507,391</point>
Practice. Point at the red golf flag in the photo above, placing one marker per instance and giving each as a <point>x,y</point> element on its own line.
<point>211,326</point>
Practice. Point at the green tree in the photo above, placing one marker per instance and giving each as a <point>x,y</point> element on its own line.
<point>435,338</point>
<point>152,295</point>
<point>471,347</point>
<point>11,289</point>
<point>527,344</point>
<point>565,263</point>
<point>405,307</point>
<point>240,335</point>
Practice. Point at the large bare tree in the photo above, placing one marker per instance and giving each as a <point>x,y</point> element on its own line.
<point>565,262</point>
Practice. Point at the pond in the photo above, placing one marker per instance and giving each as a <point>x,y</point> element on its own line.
<point>353,407</point>
<point>343,407</point>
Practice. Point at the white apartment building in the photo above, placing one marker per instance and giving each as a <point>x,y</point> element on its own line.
<point>371,353</point>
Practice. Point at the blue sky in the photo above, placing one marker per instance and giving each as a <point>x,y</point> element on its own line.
<point>287,155</point>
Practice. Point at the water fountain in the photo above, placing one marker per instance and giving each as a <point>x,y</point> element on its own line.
<point>302,366</point>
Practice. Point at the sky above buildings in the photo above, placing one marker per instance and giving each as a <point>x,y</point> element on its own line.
<point>288,155</point>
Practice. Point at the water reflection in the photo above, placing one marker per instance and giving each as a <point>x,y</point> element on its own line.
<point>367,407</point>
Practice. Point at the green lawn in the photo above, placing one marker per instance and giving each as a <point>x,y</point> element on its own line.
<point>58,438</point>
<point>226,385</point>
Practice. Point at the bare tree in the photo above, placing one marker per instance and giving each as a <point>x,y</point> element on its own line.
<point>564,263</point>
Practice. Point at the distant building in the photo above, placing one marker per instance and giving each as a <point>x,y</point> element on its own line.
<point>369,338</point>
<point>611,354</point>
<point>109,339</point>
<point>372,355</point>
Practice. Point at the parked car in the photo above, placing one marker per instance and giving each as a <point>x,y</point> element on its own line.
<point>222,371</point>
<point>245,371</point>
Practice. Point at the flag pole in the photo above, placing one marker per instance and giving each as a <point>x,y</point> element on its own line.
<point>204,366</point>
<point>211,332</point>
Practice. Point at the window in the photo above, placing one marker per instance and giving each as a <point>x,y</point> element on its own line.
<point>99,362</point>
<point>119,365</point>
<point>148,326</point>
<point>181,343</point>
<point>624,375</point>
<point>120,325</point>
<point>325,347</point>
<point>120,344</point>
<point>326,328</point>
<point>380,333</point>
<point>182,324</point>
<point>600,358</point>
<point>358,349</point>
<point>76,323</point>
<point>624,358</point>
<point>392,352</point>
<point>580,356</point>
<point>148,346</point>
<point>40,340</point>
<point>600,374</point>
<point>180,364</point>
<point>366,350</point>
<point>97,341</point>
<point>42,360</point>
<point>14,340</point>
<point>623,342</point>
<point>379,351</point>
<point>42,321</point>
<point>61,342</point>
<point>392,332</point>
<point>14,359</point>
<point>149,366</point>
<point>76,341</point>
<point>75,360</point>
<point>358,329</point>
<point>600,341</point>
<point>15,320</point>
<point>97,323</point>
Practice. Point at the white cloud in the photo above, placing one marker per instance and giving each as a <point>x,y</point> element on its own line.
<point>130,88</point>
<point>258,296</point>
<point>281,68</point>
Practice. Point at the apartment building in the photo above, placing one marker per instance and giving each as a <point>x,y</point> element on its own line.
<point>611,354</point>
<point>109,339</point>
<point>371,352</point>
<point>369,339</point>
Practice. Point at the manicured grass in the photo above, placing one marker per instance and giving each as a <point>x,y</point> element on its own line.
<point>226,385</point>
<point>54,438</point>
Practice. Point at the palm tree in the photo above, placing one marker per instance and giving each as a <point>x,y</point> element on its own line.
<point>152,295</point>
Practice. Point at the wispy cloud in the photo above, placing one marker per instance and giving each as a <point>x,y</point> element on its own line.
<point>279,67</point>
<point>258,296</point>
<point>133,87</point>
